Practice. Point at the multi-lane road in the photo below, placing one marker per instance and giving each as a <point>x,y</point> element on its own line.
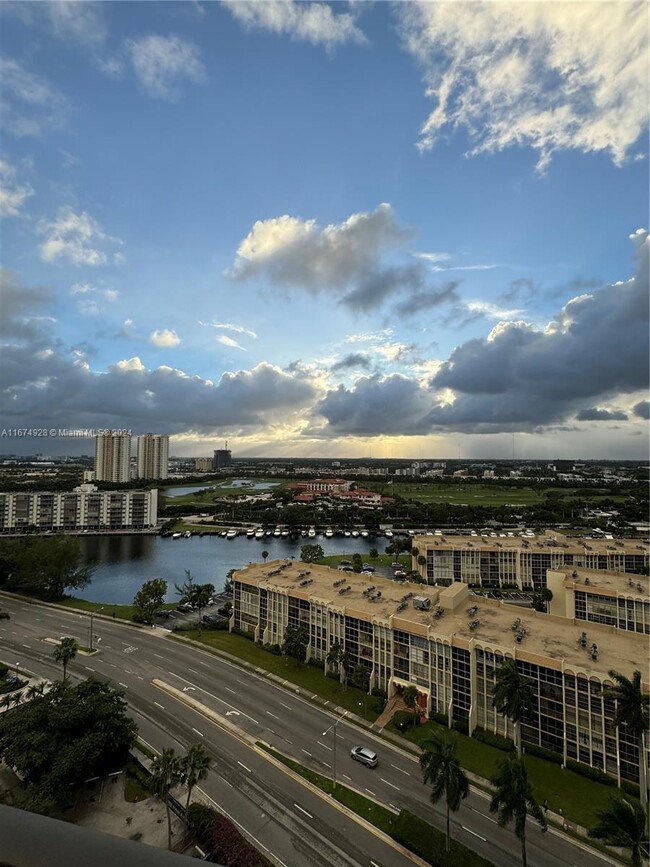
<point>289,822</point>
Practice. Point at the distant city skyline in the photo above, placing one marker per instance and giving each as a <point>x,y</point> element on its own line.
<point>327,229</point>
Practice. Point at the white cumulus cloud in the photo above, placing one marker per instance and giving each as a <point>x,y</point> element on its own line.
<point>228,341</point>
<point>554,76</point>
<point>163,63</point>
<point>164,337</point>
<point>12,194</point>
<point>75,237</point>
<point>312,22</point>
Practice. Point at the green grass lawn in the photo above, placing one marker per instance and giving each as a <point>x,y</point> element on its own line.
<point>219,490</point>
<point>123,612</point>
<point>306,676</point>
<point>579,798</point>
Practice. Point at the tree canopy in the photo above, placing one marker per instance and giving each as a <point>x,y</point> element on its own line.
<point>43,566</point>
<point>67,735</point>
<point>149,599</point>
<point>295,643</point>
<point>311,553</point>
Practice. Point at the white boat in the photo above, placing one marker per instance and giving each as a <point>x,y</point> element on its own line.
<point>328,533</point>
<point>388,534</point>
<point>176,535</point>
<point>250,534</point>
<point>311,533</point>
<point>187,534</point>
<point>347,533</point>
<point>231,534</point>
<point>277,532</point>
<point>364,534</point>
<point>355,533</point>
<point>259,534</point>
<point>303,533</point>
<point>284,534</point>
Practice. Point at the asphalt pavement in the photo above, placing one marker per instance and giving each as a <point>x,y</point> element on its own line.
<point>289,822</point>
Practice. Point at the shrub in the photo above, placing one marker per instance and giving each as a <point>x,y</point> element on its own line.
<point>631,788</point>
<point>315,663</point>
<point>244,633</point>
<point>494,740</point>
<point>333,675</point>
<point>590,773</point>
<point>543,753</point>
<point>200,820</point>
<point>231,847</point>
<point>4,669</point>
<point>380,693</point>
<point>440,718</point>
<point>12,686</point>
<point>275,649</point>
<point>462,726</point>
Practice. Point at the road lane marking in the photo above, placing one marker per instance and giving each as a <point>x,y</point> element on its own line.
<point>27,646</point>
<point>198,732</point>
<point>288,706</point>
<point>321,744</point>
<point>303,811</point>
<point>157,703</point>
<point>307,754</point>
<point>390,784</point>
<point>345,776</point>
<point>159,656</point>
<point>244,766</point>
<point>326,765</point>
<point>485,816</point>
<point>371,793</point>
<point>374,864</point>
<point>401,769</point>
<point>230,690</point>
<point>288,741</point>
<point>469,831</point>
<point>192,670</point>
<point>272,714</point>
<point>88,668</point>
<point>125,685</point>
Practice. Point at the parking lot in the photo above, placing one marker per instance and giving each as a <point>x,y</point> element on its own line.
<point>183,616</point>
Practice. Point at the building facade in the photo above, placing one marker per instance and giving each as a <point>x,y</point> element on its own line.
<point>84,508</point>
<point>450,650</point>
<point>222,459</point>
<point>499,560</point>
<point>203,465</point>
<point>601,597</point>
<point>153,456</point>
<point>113,457</point>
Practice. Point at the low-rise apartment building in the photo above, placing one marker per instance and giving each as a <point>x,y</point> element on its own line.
<point>622,601</point>
<point>500,560</point>
<point>83,508</point>
<point>448,643</point>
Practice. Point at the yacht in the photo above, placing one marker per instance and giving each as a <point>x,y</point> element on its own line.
<point>187,534</point>
<point>388,534</point>
<point>284,534</point>
<point>277,532</point>
<point>223,534</point>
<point>259,533</point>
<point>176,535</point>
<point>355,533</point>
<point>250,534</point>
<point>311,533</point>
<point>347,533</point>
<point>328,533</point>
<point>364,534</point>
<point>231,534</point>
<point>303,532</point>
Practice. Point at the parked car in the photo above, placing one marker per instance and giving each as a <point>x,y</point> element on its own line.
<point>364,755</point>
<point>368,567</point>
<point>224,611</point>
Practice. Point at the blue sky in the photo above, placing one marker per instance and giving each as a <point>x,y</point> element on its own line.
<point>328,229</point>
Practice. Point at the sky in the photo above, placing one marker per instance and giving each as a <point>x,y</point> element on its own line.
<point>405,230</point>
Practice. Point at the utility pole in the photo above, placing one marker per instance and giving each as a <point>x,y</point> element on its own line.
<point>92,614</point>
<point>334,727</point>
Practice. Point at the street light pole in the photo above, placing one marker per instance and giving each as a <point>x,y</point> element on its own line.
<point>92,614</point>
<point>334,727</point>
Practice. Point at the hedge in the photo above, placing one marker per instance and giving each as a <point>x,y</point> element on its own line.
<point>631,788</point>
<point>543,753</point>
<point>223,838</point>
<point>12,687</point>
<point>494,740</point>
<point>462,726</point>
<point>440,718</point>
<point>4,670</point>
<point>590,773</point>
<point>429,843</point>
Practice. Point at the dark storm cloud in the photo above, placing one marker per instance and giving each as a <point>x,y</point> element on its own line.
<point>353,359</point>
<point>518,378</point>
<point>596,414</point>
<point>21,308</point>
<point>420,302</point>
<point>642,409</point>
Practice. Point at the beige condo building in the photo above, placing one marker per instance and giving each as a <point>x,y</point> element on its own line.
<point>449,642</point>
<point>153,456</point>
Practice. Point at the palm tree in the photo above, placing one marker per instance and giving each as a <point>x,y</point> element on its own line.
<point>632,711</point>
<point>65,652</point>
<point>514,799</point>
<point>6,702</point>
<point>17,698</point>
<point>344,659</point>
<point>35,690</point>
<point>441,768</point>
<point>333,658</point>
<point>166,772</point>
<point>196,765</point>
<point>513,696</point>
<point>623,824</point>
<point>197,595</point>
<point>410,697</point>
